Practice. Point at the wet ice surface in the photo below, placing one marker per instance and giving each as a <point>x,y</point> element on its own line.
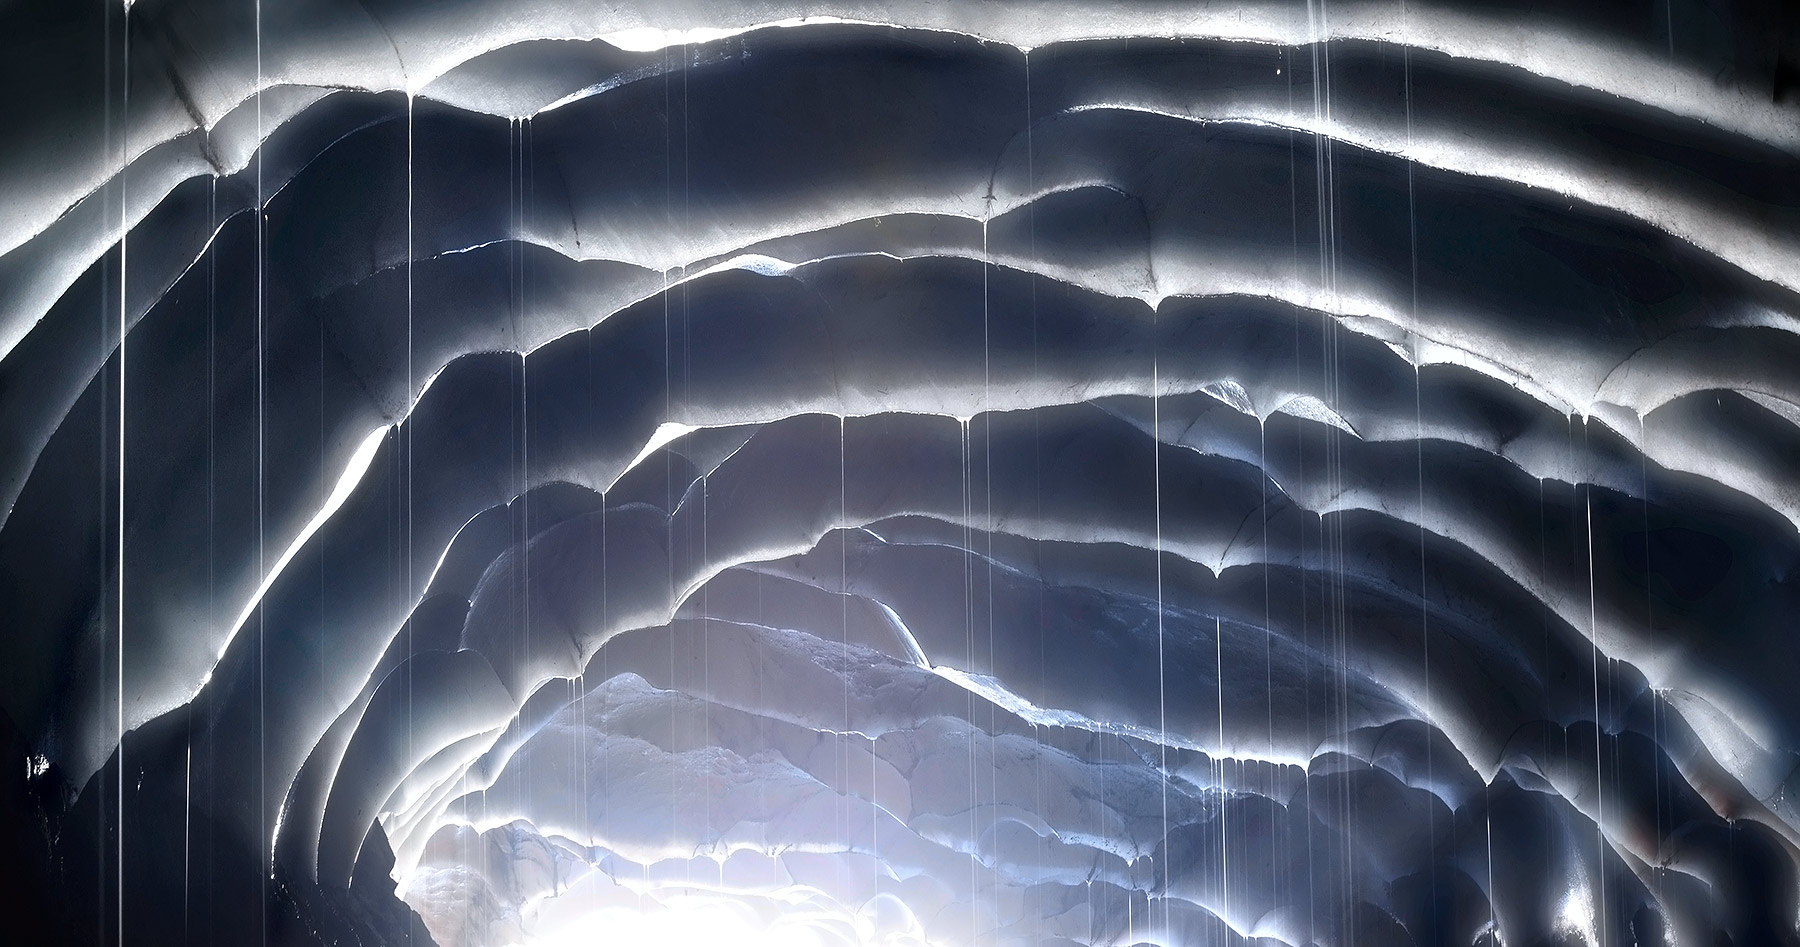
<point>901,474</point>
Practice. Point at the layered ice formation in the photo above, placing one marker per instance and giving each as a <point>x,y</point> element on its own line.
<point>902,473</point>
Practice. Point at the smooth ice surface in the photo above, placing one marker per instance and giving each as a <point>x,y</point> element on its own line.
<point>901,473</point>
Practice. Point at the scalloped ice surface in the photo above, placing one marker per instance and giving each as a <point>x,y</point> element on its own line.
<point>553,472</point>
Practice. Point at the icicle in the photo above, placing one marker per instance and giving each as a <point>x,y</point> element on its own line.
<point>124,273</point>
<point>1219,779</point>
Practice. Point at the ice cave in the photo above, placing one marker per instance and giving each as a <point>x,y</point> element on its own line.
<point>900,473</point>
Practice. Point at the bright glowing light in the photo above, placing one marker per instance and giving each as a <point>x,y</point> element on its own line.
<point>1577,917</point>
<point>695,925</point>
<point>596,911</point>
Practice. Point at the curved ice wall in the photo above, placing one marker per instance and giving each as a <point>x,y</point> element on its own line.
<point>952,473</point>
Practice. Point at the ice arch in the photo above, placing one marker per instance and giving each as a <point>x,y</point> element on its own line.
<point>904,473</point>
